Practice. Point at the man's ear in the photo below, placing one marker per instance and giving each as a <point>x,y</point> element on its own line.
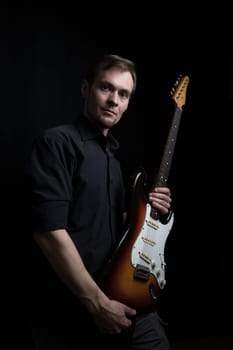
<point>84,88</point>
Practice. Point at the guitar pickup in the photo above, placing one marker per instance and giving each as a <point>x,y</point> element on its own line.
<point>141,272</point>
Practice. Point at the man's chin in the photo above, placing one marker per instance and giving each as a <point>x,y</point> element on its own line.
<point>108,122</point>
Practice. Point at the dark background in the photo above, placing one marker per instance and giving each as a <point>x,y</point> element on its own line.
<point>44,53</point>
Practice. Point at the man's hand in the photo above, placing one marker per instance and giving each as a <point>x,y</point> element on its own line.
<point>160,199</point>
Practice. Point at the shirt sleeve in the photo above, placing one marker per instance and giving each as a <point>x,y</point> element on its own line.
<point>49,176</point>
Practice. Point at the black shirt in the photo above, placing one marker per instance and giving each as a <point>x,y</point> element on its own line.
<point>74,181</point>
<point>76,184</point>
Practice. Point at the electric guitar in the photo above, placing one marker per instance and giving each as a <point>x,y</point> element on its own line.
<point>135,274</point>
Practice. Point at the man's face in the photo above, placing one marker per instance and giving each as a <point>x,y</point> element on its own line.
<point>108,97</point>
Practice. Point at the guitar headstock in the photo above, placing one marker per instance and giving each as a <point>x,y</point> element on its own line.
<point>179,91</point>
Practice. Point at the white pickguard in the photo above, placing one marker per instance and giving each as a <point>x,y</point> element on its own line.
<point>149,246</point>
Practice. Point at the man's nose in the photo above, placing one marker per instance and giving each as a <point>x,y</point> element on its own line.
<point>113,98</point>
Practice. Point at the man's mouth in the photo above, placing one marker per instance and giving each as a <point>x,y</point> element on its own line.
<point>109,111</point>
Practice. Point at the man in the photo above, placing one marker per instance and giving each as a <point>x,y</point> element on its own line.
<point>77,194</point>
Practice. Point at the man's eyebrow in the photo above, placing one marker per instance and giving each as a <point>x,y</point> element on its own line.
<point>125,91</point>
<point>106,82</point>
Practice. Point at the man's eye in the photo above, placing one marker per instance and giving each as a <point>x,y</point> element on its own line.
<point>124,94</point>
<point>104,87</point>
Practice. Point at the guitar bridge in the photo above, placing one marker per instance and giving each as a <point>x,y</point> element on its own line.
<point>141,272</point>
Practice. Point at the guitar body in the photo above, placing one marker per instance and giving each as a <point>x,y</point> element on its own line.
<point>136,272</point>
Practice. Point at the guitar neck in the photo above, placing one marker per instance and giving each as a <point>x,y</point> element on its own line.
<point>166,161</point>
<point>165,165</point>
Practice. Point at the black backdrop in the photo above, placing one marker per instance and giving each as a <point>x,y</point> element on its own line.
<point>44,52</point>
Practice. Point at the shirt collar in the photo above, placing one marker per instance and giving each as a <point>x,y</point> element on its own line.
<point>89,131</point>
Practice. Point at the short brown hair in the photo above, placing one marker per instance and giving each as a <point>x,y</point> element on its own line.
<point>108,61</point>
